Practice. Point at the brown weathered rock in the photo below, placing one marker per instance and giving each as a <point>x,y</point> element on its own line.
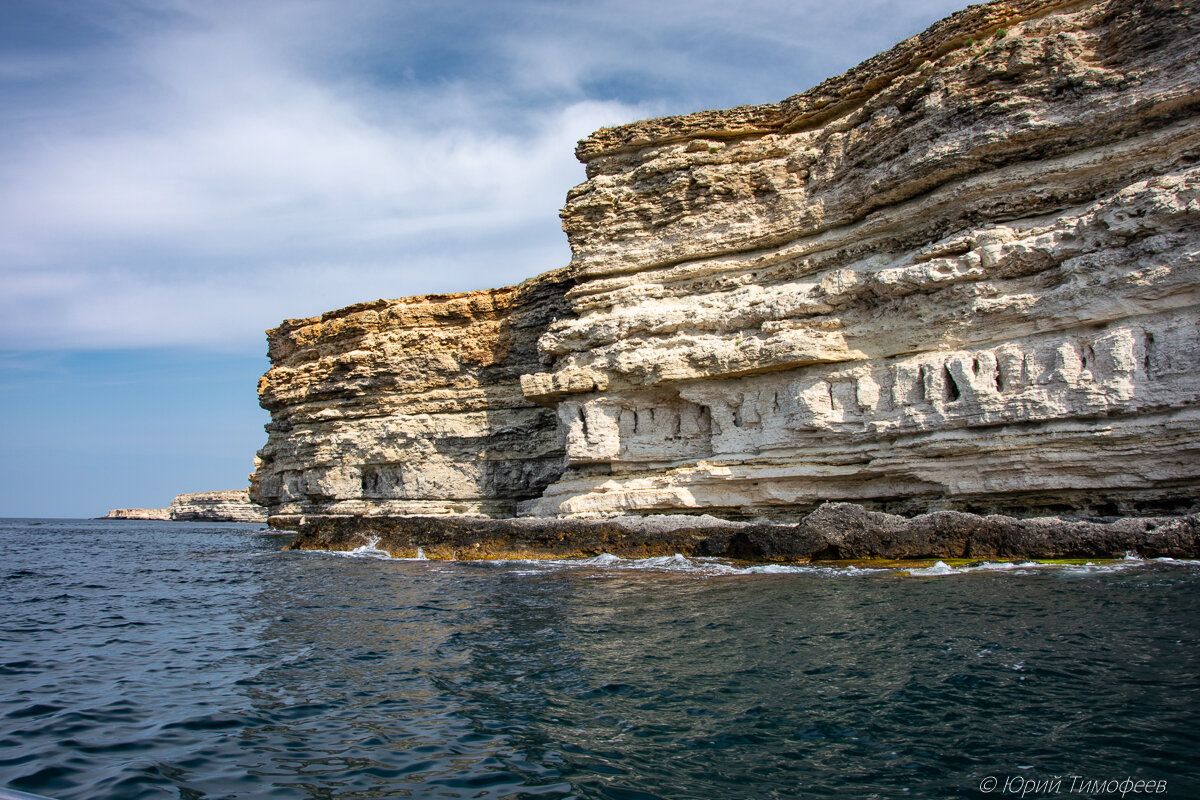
<point>411,406</point>
<point>836,531</point>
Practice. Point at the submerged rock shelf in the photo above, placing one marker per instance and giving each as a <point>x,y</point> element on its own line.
<point>963,276</point>
<point>834,532</point>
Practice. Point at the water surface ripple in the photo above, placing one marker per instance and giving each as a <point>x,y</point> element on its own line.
<point>151,660</point>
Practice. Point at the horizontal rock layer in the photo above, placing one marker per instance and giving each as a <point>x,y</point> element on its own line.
<point>138,513</point>
<point>223,506</point>
<point>837,531</point>
<point>232,505</point>
<point>411,406</point>
<point>963,275</point>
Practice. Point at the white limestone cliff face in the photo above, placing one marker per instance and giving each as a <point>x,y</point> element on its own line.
<point>139,513</point>
<point>964,274</point>
<point>961,275</point>
<point>232,505</point>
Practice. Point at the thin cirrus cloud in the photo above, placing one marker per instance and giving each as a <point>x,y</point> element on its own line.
<point>187,173</point>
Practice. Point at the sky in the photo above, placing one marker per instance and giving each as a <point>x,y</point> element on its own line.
<point>177,176</point>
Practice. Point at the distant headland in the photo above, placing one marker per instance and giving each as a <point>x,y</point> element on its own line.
<point>223,506</point>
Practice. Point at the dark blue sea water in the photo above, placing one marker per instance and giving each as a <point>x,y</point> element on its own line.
<point>152,660</point>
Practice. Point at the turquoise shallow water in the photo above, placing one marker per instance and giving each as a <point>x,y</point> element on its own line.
<point>149,660</point>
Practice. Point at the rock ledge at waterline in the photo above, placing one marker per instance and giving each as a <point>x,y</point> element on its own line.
<point>835,531</point>
<point>963,276</point>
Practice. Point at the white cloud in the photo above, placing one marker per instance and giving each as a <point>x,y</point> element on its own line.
<point>201,170</point>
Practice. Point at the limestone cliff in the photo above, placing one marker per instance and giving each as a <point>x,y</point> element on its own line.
<point>224,506</point>
<point>139,513</point>
<point>411,406</point>
<point>962,275</point>
<point>232,505</point>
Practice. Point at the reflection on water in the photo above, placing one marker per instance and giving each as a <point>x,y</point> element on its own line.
<point>145,660</point>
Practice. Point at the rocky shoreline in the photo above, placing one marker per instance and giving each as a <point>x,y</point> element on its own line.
<point>833,532</point>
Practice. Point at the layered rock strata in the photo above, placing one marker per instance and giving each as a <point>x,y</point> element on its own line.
<point>232,505</point>
<point>223,506</point>
<point>963,275</point>
<point>139,513</point>
<point>411,406</point>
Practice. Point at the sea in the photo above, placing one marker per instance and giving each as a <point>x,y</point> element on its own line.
<point>188,660</point>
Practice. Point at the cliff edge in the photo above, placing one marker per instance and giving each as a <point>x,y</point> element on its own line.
<point>961,276</point>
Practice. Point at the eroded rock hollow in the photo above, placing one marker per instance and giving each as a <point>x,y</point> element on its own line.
<point>962,275</point>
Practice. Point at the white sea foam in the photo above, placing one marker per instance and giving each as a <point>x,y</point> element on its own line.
<point>1129,561</point>
<point>606,563</point>
<point>602,560</point>
<point>1026,567</point>
<point>678,563</point>
<point>703,566</point>
<point>940,568</point>
<point>1004,566</point>
<point>371,550</point>
<point>368,550</point>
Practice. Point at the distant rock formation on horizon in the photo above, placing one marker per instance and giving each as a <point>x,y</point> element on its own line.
<point>964,275</point>
<point>232,505</point>
<point>138,513</point>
